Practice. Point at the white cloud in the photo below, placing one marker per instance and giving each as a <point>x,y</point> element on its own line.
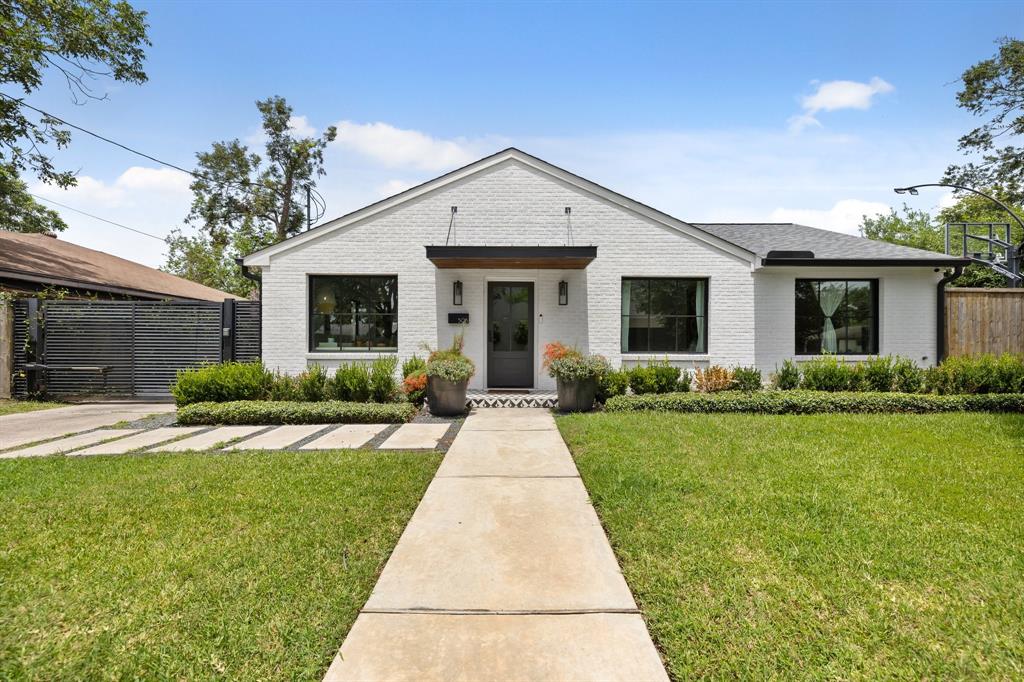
<point>844,216</point>
<point>153,200</point>
<point>394,147</point>
<point>836,95</point>
<point>393,187</point>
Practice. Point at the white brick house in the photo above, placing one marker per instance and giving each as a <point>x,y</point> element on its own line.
<point>531,253</point>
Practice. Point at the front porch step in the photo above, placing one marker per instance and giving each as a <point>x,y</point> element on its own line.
<point>511,399</point>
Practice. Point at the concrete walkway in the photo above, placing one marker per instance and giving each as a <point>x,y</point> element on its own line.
<point>28,427</point>
<point>503,573</point>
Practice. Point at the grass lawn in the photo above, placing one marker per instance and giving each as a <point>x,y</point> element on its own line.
<point>192,566</point>
<point>824,546</point>
<point>18,406</point>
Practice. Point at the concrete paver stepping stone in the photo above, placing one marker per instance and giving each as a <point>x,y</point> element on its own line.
<point>70,443</point>
<point>611,647</point>
<point>493,453</point>
<point>346,436</point>
<point>139,440</point>
<point>205,441</point>
<point>519,544</point>
<point>509,419</point>
<point>279,438</point>
<point>28,427</point>
<point>415,437</point>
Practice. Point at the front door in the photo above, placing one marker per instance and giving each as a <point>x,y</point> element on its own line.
<point>510,334</point>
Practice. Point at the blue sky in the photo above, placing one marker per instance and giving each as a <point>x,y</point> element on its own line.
<point>713,111</point>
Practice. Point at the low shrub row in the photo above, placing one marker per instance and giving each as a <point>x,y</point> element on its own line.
<point>957,375</point>
<point>230,381</point>
<point>816,402</point>
<point>269,412</point>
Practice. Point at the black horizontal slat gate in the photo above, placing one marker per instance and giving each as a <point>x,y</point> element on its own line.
<point>143,343</point>
<point>248,339</point>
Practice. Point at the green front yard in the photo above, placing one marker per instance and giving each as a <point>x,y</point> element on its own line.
<point>19,406</point>
<point>824,546</point>
<point>193,566</point>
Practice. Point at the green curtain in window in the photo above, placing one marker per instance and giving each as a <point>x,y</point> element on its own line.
<point>701,318</point>
<point>624,339</point>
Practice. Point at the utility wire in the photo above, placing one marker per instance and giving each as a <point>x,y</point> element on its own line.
<point>95,217</point>
<point>319,201</point>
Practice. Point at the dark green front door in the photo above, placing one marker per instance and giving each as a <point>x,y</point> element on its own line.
<point>510,335</point>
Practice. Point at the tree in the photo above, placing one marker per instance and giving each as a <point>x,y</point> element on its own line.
<point>994,88</point>
<point>235,187</point>
<point>84,41</point>
<point>921,230</point>
<point>243,202</point>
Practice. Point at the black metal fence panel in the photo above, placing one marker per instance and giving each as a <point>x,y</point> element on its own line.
<point>248,335</point>
<point>20,337</point>
<point>129,348</point>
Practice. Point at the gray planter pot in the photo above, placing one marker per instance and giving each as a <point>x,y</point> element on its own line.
<point>446,398</point>
<point>576,396</point>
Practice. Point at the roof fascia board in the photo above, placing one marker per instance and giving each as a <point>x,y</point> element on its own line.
<point>866,262</point>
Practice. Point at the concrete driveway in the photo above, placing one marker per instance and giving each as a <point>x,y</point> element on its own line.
<point>28,427</point>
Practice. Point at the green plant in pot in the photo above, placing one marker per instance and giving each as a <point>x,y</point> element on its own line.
<point>448,374</point>
<point>576,374</point>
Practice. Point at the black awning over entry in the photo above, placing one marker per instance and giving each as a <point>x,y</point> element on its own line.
<point>512,257</point>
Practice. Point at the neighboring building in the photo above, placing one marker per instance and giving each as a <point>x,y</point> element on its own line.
<point>525,253</point>
<point>33,263</point>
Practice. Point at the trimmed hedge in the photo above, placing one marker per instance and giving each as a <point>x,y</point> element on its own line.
<point>269,412</point>
<point>816,402</point>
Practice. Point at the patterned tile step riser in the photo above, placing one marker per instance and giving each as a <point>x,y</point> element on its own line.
<point>547,400</point>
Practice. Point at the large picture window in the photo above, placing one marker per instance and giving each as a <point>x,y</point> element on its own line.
<point>664,315</point>
<point>837,316</point>
<point>353,313</point>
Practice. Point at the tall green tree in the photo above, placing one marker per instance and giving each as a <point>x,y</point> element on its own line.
<point>83,41</point>
<point>243,201</point>
<point>993,89</point>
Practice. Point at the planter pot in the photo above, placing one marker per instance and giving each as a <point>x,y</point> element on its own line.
<point>446,398</point>
<point>576,396</point>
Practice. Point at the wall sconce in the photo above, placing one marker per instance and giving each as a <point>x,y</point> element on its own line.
<point>563,293</point>
<point>457,293</point>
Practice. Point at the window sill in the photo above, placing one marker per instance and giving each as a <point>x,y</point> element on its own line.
<point>839,356</point>
<point>349,354</point>
<point>662,356</point>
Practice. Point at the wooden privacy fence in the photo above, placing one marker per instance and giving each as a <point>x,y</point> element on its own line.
<point>984,321</point>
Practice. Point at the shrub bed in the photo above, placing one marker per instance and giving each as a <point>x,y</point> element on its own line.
<point>260,412</point>
<point>814,402</point>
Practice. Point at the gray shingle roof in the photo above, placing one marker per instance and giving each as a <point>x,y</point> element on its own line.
<point>826,244</point>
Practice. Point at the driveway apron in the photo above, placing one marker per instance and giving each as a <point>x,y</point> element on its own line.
<point>27,427</point>
<point>503,573</point>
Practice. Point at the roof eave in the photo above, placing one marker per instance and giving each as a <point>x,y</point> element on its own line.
<point>867,262</point>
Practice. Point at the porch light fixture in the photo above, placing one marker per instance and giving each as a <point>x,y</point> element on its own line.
<point>457,292</point>
<point>563,293</point>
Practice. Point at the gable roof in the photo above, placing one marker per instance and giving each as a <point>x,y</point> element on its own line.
<point>48,260</point>
<point>828,247</point>
<point>262,257</point>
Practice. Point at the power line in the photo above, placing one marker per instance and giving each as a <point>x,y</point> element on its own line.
<point>318,199</point>
<point>96,217</point>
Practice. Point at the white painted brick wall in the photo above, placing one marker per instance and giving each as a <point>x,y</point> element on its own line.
<point>906,301</point>
<point>509,204</point>
<point>512,204</point>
